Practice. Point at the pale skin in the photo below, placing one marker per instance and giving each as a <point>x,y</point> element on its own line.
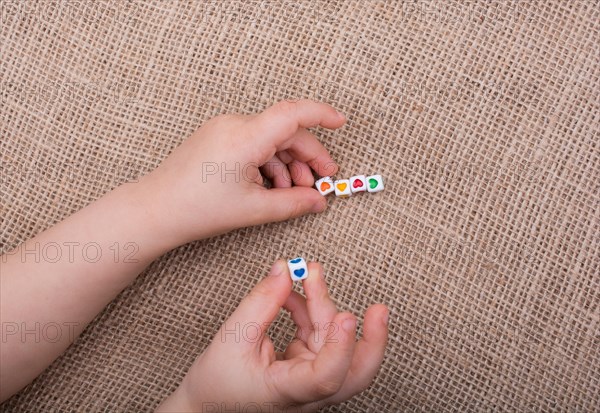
<point>181,201</point>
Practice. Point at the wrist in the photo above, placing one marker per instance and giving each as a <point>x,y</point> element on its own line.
<point>144,219</point>
<point>180,212</point>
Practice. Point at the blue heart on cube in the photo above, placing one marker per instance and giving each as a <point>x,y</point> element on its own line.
<point>298,268</point>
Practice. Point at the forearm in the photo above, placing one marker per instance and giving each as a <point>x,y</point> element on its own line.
<point>191,195</point>
<point>53,285</point>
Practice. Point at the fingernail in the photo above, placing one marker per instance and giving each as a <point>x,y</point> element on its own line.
<point>340,115</point>
<point>349,325</point>
<point>278,268</point>
<point>319,206</point>
<point>386,318</point>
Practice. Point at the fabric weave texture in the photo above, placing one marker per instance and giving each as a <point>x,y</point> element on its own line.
<point>482,116</point>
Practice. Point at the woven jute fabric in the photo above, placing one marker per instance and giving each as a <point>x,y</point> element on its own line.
<point>483,118</point>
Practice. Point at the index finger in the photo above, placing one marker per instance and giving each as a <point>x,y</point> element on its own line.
<point>260,307</point>
<point>279,122</point>
<point>305,147</point>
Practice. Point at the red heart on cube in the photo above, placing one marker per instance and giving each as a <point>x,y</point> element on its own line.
<point>357,183</point>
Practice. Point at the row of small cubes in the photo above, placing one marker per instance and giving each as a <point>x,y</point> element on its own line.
<point>346,187</point>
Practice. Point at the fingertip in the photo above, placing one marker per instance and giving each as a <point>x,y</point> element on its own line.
<point>379,311</point>
<point>278,268</point>
<point>335,168</point>
<point>314,201</point>
<point>324,166</point>
<point>333,118</point>
<point>341,118</point>
<point>344,331</point>
<point>315,270</point>
<point>278,281</point>
<point>300,173</point>
<point>349,323</point>
<point>385,317</point>
<point>317,202</point>
<point>315,286</point>
<point>320,205</point>
<point>375,327</point>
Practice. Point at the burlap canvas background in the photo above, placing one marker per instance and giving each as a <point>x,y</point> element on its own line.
<point>483,117</point>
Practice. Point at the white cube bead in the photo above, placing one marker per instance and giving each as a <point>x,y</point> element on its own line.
<point>298,269</point>
<point>325,185</point>
<point>358,183</point>
<point>374,183</point>
<point>342,188</point>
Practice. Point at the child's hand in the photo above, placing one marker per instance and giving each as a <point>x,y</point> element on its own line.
<point>212,183</point>
<point>240,370</point>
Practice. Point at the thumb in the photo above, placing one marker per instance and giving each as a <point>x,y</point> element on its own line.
<point>250,321</point>
<point>280,204</point>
